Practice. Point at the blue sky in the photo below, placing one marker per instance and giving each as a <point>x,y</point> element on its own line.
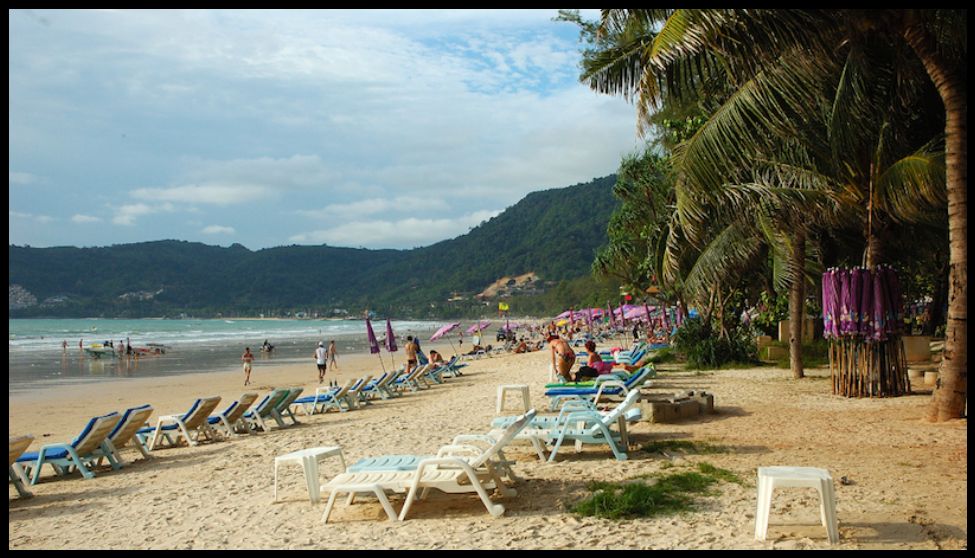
<point>360,128</point>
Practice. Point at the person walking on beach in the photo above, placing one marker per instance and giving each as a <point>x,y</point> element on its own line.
<point>331,355</point>
<point>320,356</point>
<point>247,358</point>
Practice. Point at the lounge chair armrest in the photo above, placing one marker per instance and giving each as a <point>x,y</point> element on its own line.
<point>486,438</point>
<point>458,450</point>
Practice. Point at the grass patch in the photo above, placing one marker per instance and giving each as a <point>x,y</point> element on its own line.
<point>684,446</point>
<point>719,473</point>
<point>669,495</point>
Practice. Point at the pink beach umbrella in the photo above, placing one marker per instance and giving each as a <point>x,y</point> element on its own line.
<point>478,326</point>
<point>443,331</point>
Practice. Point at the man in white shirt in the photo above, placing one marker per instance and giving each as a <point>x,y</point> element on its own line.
<point>320,355</point>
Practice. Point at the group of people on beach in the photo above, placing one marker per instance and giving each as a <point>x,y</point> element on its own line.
<point>322,356</point>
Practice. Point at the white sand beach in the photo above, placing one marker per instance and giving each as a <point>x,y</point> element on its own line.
<point>908,477</point>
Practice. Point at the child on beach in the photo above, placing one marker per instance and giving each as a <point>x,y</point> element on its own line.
<point>247,358</point>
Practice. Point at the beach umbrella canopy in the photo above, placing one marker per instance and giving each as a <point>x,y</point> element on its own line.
<point>563,315</point>
<point>510,327</point>
<point>638,312</point>
<point>373,342</point>
<point>478,326</point>
<point>390,338</point>
<point>443,331</point>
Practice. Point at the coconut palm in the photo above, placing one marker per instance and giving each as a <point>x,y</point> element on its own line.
<point>792,52</point>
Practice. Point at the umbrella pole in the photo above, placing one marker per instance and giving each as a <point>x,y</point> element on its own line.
<point>381,363</point>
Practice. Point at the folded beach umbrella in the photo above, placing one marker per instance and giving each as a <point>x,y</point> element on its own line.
<point>373,342</point>
<point>866,305</point>
<point>390,338</point>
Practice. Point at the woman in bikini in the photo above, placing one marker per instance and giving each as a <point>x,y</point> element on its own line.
<point>563,357</point>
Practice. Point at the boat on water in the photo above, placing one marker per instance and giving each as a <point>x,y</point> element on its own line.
<point>98,350</point>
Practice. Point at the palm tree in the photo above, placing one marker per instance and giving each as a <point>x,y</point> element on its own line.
<point>690,44</point>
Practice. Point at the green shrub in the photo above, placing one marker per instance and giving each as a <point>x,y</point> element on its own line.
<point>668,495</point>
<point>704,348</point>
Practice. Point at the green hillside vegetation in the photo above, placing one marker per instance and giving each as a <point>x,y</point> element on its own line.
<point>553,233</point>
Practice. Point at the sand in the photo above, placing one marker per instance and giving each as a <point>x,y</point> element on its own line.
<point>908,491</point>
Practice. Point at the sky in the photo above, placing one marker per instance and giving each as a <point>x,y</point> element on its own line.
<point>356,128</point>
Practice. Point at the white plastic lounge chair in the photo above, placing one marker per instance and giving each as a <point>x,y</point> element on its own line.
<point>593,427</point>
<point>189,426</point>
<point>412,381</point>
<point>18,445</point>
<point>126,430</point>
<point>265,409</point>
<point>231,420</point>
<point>76,454</point>
<point>453,470</point>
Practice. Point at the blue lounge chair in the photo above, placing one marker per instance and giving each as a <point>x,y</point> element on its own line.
<point>601,387</point>
<point>266,409</point>
<point>189,426</point>
<point>326,398</point>
<point>230,421</point>
<point>126,431</point>
<point>78,453</point>
<point>18,445</point>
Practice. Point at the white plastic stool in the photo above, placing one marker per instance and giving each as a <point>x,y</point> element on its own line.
<point>770,478</point>
<point>522,388</point>
<point>308,459</point>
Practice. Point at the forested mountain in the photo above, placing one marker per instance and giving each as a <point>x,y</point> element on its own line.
<point>553,233</point>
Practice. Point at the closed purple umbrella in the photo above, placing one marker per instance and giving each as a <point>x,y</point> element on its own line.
<point>845,328</point>
<point>881,326</point>
<point>373,342</point>
<point>867,324</point>
<point>390,338</point>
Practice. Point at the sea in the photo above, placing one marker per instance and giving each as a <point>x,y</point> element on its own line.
<point>39,360</point>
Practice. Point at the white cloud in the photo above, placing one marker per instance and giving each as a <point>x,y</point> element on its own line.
<point>218,229</point>
<point>403,233</point>
<point>208,194</point>
<point>22,178</point>
<point>127,214</point>
<point>423,206</point>
<point>79,218</point>
<point>31,216</point>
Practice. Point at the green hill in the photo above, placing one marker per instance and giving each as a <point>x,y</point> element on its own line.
<point>552,233</point>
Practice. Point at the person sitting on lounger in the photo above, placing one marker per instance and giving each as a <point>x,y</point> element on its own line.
<point>436,358</point>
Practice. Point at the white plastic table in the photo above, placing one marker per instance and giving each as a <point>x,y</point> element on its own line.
<point>518,389</point>
<point>309,459</point>
<point>770,478</point>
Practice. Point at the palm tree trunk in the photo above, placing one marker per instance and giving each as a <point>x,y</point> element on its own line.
<point>797,304</point>
<point>951,392</point>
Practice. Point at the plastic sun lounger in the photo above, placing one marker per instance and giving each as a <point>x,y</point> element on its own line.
<point>607,387</point>
<point>451,471</point>
<point>324,399</point>
<point>18,445</point>
<point>284,407</point>
<point>126,431</point>
<point>230,421</point>
<point>265,409</point>
<point>76,454</point>
<point>582,425</point>
<point>189,426</point>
